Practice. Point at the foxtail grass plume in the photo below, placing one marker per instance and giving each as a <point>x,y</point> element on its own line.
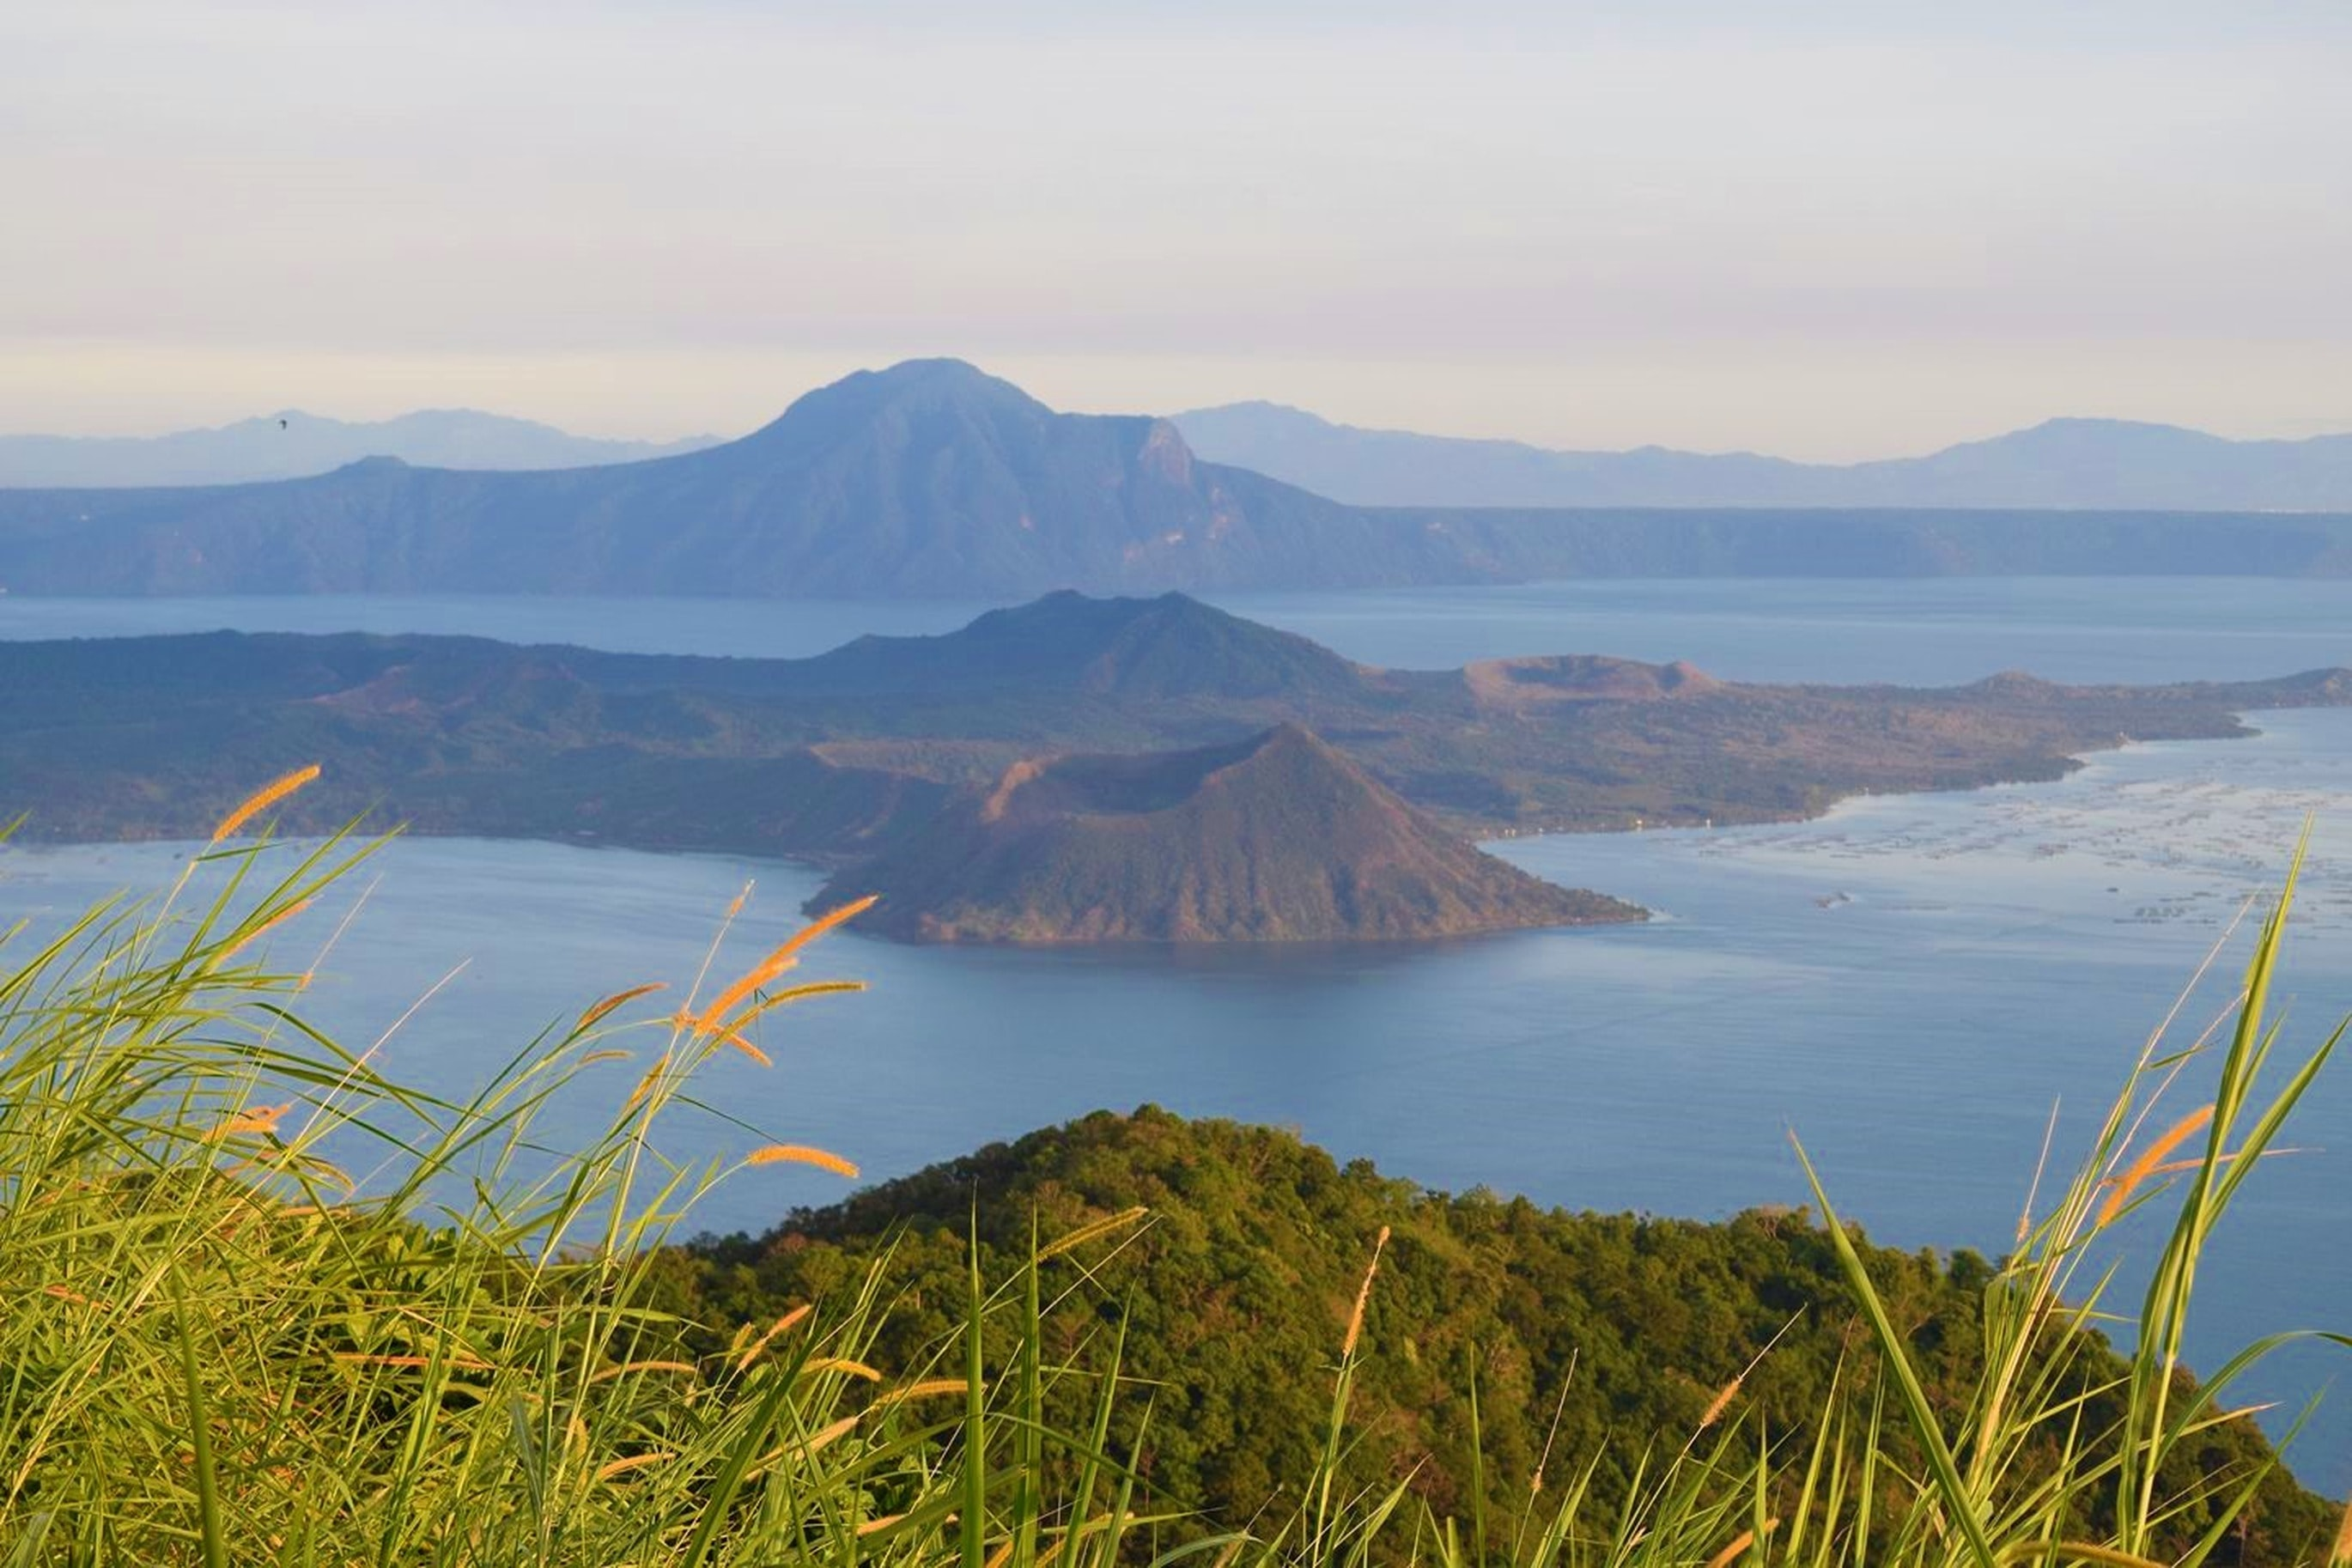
<point>800,1154</point>
<point>2174,1167</point>
<point>618,999</point>
<point>784,958</point>
<point>635,1462</point>
<point>1363,1298</point>
<point>826,1436</point>
<point>1738,1544</point>
<point>689,1023</point>
<point>731,1037</point>
<point>1089,1232</point>
<point>2082,1551</point>
<point>261,800</point>
<point>929,1388</point>
<point>1730,1391</point>
<point>645,1083</point>
<point>743,1362</point>
<point>254,1121</point>
<point>841,1364</point>
<point>1560,1408</point>
<point>628,1368</point>
<point>1731,1552</point>
<point>276,920</point>
<point>2139,1170</point>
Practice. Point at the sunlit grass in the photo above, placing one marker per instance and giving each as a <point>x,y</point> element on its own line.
<point>265,1305</point>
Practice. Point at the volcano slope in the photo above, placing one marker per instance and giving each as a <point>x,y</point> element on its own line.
<point>1277,837</point>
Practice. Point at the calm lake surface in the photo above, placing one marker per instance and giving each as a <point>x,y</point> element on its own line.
<point>1929,631</point>
<point>1908,983</point>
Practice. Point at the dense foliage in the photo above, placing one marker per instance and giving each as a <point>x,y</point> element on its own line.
<point>1598,1337</point>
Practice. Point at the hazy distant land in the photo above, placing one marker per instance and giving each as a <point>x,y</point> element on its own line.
<point>930,480</point>
<point>2071,464</point>
<point>2097,464</point>
<point>291,445</point>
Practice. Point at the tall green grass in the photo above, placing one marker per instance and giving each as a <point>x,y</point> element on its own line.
<point>266,1305</point>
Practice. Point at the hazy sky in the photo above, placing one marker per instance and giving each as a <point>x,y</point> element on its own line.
<point>1827,230</point>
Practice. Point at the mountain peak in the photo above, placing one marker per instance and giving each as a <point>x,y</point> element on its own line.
<point>965,484</point>
<point>932,367</point>
<point>915,385</point>
<point>1176,644</point>
<point>1170,646</point>
<point>2092,435</point>
<point>1292,735</point>
<point>940,376</point>
<point>1281,838</point>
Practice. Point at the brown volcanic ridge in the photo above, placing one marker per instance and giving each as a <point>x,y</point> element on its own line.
<point>1275,838</point>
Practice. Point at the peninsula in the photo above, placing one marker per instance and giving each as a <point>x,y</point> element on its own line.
<point>1070,769</point>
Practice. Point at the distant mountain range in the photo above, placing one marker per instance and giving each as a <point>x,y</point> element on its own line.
<point>927,478</point>
<point>933,479</point>
<point>2062,464</point>
<point>295,445</point>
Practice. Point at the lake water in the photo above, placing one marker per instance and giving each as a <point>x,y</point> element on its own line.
<point>1908,983</point>
<point>1926,632</point>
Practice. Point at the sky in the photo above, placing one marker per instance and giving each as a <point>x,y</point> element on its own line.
<point>1827,230</point>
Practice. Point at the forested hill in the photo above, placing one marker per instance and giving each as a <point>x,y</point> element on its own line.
<point>1237,1286</point>
<point>931,479</point>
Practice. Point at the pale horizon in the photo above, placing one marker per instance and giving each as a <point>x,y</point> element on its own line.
<point>1842,232</point>
<point>627,433</point>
